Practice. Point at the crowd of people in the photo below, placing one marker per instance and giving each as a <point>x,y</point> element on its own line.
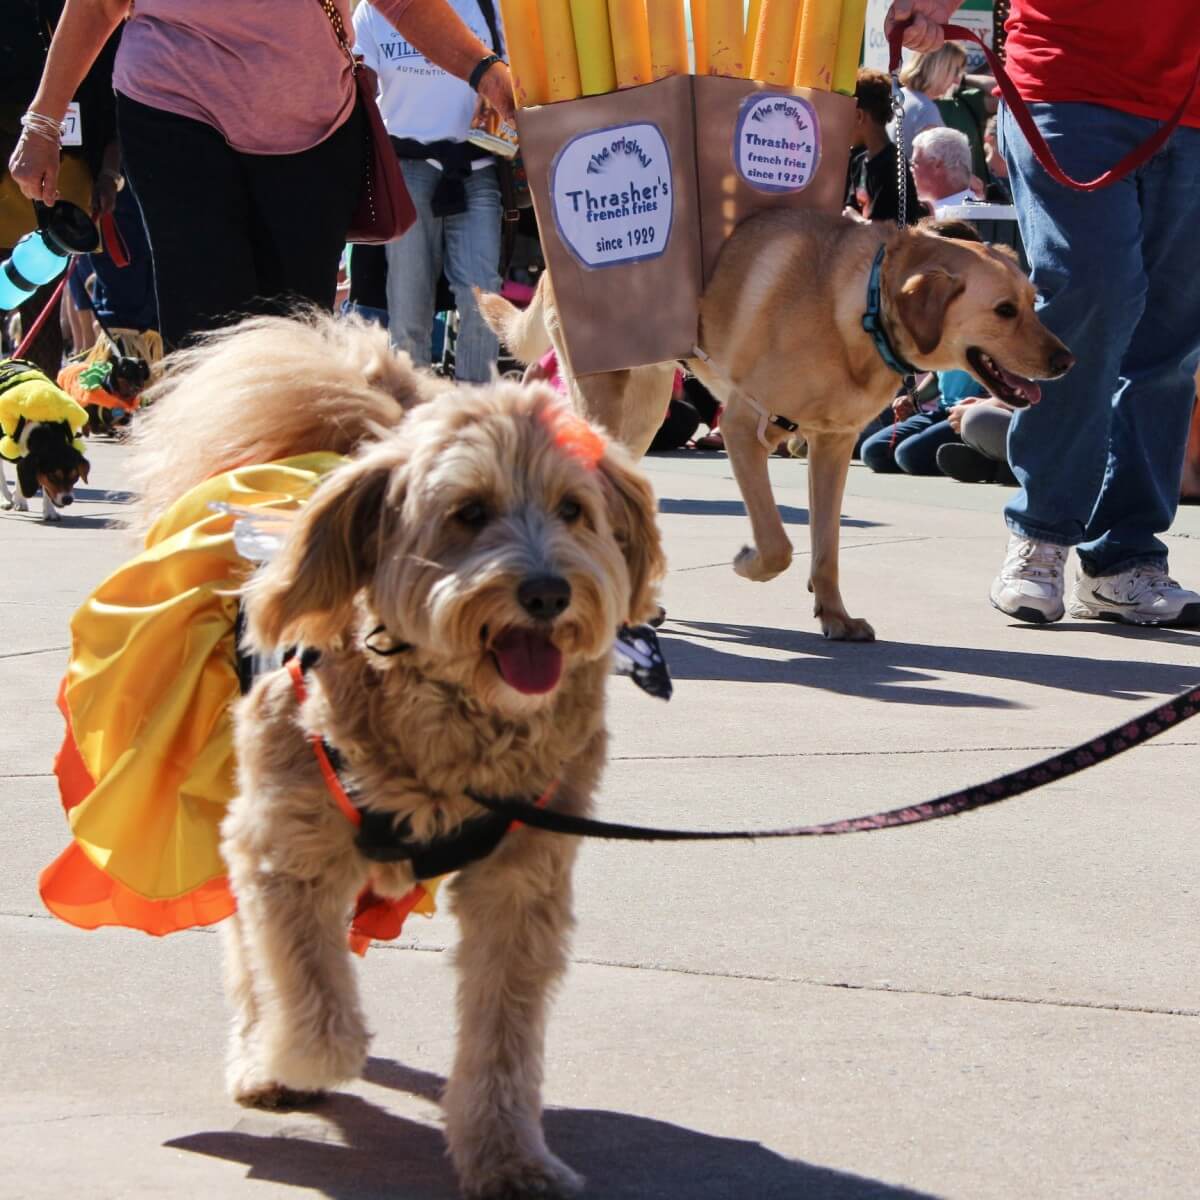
<point>230,189</point>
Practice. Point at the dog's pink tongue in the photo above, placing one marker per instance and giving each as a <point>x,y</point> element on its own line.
<point>529,661</point>
<point>1025,389</point>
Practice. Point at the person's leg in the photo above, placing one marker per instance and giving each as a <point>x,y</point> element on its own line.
<point>414,263</point>
<point>1086,255</point>
<point>985,428</point>
<point>1152,410</point>
<point>879,450</point>
<point>472,251</point>
<point>917,454</point>
<point>195,208</point>
<point>302,205</point>
<point>1190,487</point>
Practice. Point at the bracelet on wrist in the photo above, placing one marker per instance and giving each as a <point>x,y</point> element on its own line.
<point>43,126</point>
<point>482,67</point>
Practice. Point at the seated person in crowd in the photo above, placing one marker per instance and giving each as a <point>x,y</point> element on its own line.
<point>925,78</point>
<point>941,167</point>
<point>981,456</point>
<point>872,192</point>
<point>998,190</point>
<point>911,443</point>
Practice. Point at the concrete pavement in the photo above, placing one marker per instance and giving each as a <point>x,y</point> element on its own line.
<point>1003,1005</point>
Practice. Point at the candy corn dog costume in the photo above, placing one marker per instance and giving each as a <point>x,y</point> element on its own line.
<point>146,767</point>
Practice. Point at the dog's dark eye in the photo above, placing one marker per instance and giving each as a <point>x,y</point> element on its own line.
<point>1005,309</point>
<point>473,514</point>
<point>570,511</point>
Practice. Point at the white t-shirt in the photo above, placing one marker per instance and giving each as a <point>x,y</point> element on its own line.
<point>417,99</point>
<point>952,201</point>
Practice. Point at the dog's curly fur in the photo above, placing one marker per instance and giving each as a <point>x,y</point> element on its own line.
<point>428,531</point>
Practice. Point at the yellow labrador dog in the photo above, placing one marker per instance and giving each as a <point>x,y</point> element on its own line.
<point>807,326</point>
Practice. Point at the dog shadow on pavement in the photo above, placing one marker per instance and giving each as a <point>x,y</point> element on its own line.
<point>349,1148</point>
<point>789,513</point>
<point>901,671</point>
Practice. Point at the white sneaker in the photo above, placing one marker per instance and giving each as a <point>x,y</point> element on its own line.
<point>1143,595</point>
<point>1030,584</point>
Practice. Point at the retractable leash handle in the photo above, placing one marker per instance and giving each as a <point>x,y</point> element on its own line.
<point>1024,118</point>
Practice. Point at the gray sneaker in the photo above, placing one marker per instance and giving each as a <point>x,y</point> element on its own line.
<point>1143,595</point>
<point>1030,584</point>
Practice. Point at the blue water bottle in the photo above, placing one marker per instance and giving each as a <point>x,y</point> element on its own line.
<point>63,230</point>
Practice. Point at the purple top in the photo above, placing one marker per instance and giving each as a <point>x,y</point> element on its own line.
<point>268,75</point>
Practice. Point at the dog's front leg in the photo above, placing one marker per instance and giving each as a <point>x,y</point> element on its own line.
<point>771,553</point>
<point>12,500</point>
<point>49,512</point>
<point>298,1026</point>
<point>829,457</point>
<point>515,912</point>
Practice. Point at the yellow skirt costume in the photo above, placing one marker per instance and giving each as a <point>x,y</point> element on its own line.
<point>146,769</point>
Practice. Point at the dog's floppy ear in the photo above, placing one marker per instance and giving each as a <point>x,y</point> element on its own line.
<point>306,594</point>
<point>84,468</point>
<point>633,511</point>
<point>922,303</point>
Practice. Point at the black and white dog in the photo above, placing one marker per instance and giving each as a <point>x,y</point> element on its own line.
<point>50,462</point>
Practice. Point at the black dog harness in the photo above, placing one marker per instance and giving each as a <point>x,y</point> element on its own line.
<point>383,839</point>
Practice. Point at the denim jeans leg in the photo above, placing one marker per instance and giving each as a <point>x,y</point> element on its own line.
<point>1152,411</point>
<point>879,450</point>
<point>414,265</point>
<point>1090,255</point>
<point>917,454</point>
<point>473,260</point>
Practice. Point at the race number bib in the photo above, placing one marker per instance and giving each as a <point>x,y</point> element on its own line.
<point>612,195</point>
<point>777,142</point>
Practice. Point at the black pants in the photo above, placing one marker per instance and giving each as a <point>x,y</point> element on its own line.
<point>231,233</point>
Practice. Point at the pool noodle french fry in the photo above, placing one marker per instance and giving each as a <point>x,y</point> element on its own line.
<point>630,42</point>
<point>700,36</point>
<point>849,45</point>
<point>558,38</point>
<point>751,32</point>
<point>775,42</point>
<point>726,38</point>
<point>668,38</point>
<point>526,55</point>
<point>816,47</point>
<point>593,47</point>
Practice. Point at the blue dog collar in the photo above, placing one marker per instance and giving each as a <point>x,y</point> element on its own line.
<point>872,320</point>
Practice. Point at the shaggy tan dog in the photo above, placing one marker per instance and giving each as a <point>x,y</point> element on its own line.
<point>497,542</point>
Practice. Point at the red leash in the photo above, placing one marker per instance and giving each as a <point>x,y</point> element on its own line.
<point>43,316</point>
<point>1024,118</point>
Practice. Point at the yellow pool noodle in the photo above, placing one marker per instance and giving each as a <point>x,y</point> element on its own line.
<point>849,45</point>
<point>751,32</point>
<point>775,42</point>
<point>593,47</point>
<point>526,56</point>
<point>558,38</point>
<point>726,38</point>
<point>630,41</point>
<point>700,36</point>
<point>668,38</point>
<point>816,48</point>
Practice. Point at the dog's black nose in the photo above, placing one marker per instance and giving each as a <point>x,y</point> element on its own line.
<point>65,499</point>
<point>544,596</point>
<point>1061,361</point>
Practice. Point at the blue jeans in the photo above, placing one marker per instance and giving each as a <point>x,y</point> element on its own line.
<point>1100,459</point>
<point>467,247</point>
<point>910,447</point>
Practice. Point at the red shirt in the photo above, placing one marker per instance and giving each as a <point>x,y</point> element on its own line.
<point>1139,56</point>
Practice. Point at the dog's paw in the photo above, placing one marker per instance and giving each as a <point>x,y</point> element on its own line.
<point>847,629</point>
<point>749,564</point>
<point>546,1178</point>
<point>51,515</point>
<point>277,1098</point>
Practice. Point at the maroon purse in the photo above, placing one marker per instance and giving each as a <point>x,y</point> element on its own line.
<point>384,209</point>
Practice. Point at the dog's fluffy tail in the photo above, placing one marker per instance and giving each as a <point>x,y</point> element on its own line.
<point>523,331</point>
<point>267,388</point>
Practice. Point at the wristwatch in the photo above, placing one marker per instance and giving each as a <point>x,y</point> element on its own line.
<point>481,69</point>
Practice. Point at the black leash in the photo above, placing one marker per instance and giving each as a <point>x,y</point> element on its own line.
<point>1059,766</point>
